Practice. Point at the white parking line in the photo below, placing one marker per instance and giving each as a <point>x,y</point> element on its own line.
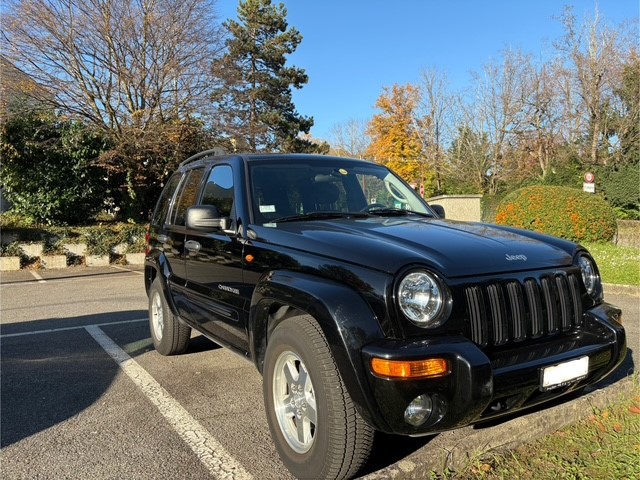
<point>64,329</point>
<point>37,276</point>
<point>211,453</point>
<point>127,270</point>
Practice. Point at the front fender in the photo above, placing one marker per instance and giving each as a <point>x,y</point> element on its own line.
<point>345,318</point>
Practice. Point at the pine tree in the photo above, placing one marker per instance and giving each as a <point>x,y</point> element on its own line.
<point>255,111</point>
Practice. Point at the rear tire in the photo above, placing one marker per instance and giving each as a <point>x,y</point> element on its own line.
<point>313,422</point>
<point>169,336</point>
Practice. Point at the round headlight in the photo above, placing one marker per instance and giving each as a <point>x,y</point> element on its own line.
<point>421,299</point>
<point>590,276</point>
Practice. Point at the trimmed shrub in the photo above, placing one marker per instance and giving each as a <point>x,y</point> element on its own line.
<point>559,211</point>
<point>101,240</point>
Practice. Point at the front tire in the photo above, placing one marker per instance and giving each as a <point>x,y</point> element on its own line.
<point>313,422</point>
<point>169,336</point>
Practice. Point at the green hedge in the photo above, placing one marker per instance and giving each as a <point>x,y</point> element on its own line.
<point>559,211</point>
<point>621,188</point>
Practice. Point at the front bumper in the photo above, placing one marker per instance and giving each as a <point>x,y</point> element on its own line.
<point>487,384</point>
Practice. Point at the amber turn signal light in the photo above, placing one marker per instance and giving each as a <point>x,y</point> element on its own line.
<point>410,369</point>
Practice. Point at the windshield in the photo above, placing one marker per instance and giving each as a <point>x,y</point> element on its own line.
<point>290,190</point>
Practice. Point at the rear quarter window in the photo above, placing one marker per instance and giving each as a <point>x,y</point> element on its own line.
<point>188,195</point>
<point>166,197</point>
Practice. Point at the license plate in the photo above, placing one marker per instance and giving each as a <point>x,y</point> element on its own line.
<point>564,373</point>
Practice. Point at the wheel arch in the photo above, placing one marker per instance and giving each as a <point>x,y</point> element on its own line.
<point>345,318</point>
<point>159,268</point>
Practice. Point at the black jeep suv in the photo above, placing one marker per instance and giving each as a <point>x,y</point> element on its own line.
<point>363,308</point>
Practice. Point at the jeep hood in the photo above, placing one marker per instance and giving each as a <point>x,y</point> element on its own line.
<point>388,244</point>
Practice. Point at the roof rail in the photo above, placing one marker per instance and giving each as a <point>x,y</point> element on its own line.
<point>206,153</point>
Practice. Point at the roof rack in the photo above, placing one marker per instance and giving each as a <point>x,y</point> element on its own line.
<point>206,153</point>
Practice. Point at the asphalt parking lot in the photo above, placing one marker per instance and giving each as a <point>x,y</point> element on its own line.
<point>84,395</point>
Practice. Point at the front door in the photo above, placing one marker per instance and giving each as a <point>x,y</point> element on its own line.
<point>172,240</point>
<point>216,292</point>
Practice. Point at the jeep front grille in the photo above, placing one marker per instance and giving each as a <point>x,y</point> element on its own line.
<point>515,311</point>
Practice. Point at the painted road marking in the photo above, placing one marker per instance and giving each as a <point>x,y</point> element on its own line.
<point>127,270</point>
<point>37,276</point>
<point>64,329</point>
<point>211,453</point>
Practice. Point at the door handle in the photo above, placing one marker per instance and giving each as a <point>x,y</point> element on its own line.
<point>192,246</point>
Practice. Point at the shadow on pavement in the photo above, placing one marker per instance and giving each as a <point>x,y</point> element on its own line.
<point>49,377</point>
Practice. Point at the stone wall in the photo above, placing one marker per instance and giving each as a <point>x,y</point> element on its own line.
<point>459,207</point>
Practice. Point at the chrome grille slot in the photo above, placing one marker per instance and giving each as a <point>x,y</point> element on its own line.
<point>577,301</point>
<point>498,320</point>
<point>550,304</point>
<point>566,303</point>
<point>516,301</point>
<point>535,307</point>
<point>475,303</point>
<point>513,311</point>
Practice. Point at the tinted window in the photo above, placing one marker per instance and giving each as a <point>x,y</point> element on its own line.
<point>162,208</point>
<point>219,190</point>
<point>188,195</point>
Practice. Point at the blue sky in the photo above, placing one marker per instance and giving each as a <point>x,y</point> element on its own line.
<point>351,50</point>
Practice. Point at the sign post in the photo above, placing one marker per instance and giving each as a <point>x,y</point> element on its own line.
<point>589,184</point>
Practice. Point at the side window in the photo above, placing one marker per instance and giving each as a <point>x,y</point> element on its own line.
<point>188,195</point>
<point>164,202</point>
<point>219,190</point>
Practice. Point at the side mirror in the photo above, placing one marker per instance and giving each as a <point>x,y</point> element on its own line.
<point>206,218</point>
<point>439,209</point>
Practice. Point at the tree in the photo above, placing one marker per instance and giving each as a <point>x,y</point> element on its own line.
<point>253,98</point>
<point>395,140</point>
<point>469,162</point>
<point>538,139</point>
<point>626,114</point>
<point>350,139</point>
<point>138,70</point>
<point>115,63</point>
<point>436,104</point>
<point>592,53</point>
<point>499,113</point>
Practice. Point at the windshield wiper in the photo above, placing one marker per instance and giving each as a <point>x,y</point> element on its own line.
<point>319,216</point>
<point>397,212</point>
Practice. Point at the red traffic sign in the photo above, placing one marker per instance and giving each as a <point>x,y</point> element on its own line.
<point>589,177</point>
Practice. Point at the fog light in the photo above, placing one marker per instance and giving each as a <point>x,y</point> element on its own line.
<point>418,410</point>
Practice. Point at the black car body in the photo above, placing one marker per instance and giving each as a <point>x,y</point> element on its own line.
<point>431,324</point>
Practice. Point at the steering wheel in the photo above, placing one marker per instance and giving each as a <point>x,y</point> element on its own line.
<point>393,190</point>
<point>374,206</point>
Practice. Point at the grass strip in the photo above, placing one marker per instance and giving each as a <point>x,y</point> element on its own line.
<point>618,265</point>
<point>604,445</point>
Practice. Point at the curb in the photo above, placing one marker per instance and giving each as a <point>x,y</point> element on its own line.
<point>613,289</point>
<point>458,452</point>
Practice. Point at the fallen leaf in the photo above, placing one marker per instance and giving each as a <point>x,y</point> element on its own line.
<point>617,427</point>
<point>601,427</point>
<point>634,409</point>
<point>605,414</point>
